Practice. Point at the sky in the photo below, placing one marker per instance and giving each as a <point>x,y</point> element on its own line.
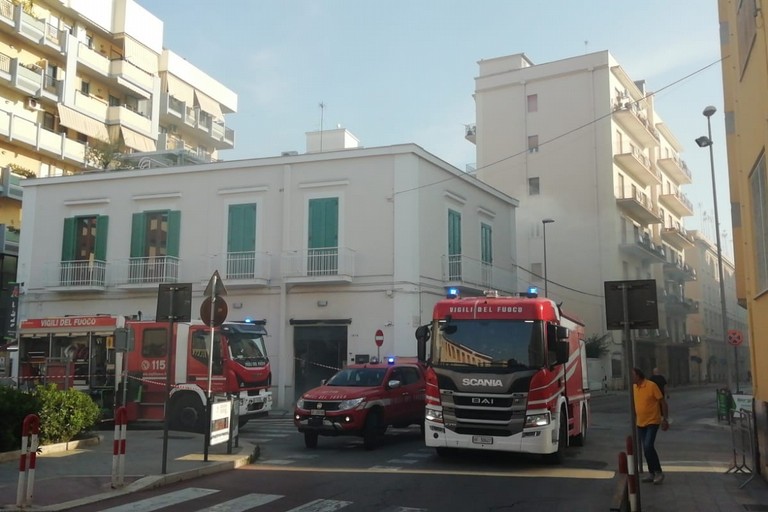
<point>402,71</point>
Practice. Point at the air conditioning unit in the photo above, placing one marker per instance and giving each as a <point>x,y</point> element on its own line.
<point>33,104</point>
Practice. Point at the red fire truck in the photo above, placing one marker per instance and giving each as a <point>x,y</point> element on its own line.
<point>505,373</point>
<point>80,352</point>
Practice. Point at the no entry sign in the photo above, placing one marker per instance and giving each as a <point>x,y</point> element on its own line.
<point>379,338</point>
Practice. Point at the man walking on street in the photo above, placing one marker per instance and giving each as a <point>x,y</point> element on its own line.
<point>651,413</point>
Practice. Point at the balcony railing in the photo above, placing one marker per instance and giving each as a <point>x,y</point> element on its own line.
<point>639,166</point>
<point>677,168</point>
<point>82,273</point>
<point>678,203</point>
<point>638,205</point>
<point>247,266</point>
<point>320,264</point>
<point>635,122</point>
<point>147,270</point>
<point>9,240</point>
<point>478,275</point>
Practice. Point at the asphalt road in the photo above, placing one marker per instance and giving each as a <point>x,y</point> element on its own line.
<point>404,476</point>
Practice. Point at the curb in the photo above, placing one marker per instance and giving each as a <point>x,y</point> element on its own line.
<point>152,481</point>
<point>54,448</point>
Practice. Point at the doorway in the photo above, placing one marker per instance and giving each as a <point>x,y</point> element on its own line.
<point>320,351</point>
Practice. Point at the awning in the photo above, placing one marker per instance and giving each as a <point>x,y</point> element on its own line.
<point>137,141</point>
<point>180,90</point>
<point>208,105</point>
<point>82,123</point>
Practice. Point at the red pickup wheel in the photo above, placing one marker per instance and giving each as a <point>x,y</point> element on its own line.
<point>310,439</point>
<point>372,430</point>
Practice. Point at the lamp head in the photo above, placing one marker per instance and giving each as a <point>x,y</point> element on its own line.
<point>708,111</point>
<point>547,221</point>
<point>704,141</point>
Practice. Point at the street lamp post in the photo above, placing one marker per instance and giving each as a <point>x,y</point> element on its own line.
<point>703,142</point>
<point>544,224</point>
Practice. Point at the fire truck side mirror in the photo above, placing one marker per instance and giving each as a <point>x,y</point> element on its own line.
<point>422,336</point>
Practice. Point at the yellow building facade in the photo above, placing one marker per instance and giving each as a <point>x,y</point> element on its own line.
<point>744,48</point>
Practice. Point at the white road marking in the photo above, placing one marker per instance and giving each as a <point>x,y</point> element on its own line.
<point>243,503</point>
<point>163,500</point>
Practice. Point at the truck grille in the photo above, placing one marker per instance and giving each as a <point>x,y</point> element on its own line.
<point>325,405</point>
<point>484,414</point>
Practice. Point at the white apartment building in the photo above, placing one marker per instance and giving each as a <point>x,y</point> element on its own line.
<point>326,248</point>
<point>76,75</point>
<point>579,142</point>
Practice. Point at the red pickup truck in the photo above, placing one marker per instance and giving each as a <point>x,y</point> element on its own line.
<point>363,400</point>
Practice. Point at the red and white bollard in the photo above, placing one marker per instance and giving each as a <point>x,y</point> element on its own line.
<point>29,439</point>
<point>631,476</point>
<point>118,447</point>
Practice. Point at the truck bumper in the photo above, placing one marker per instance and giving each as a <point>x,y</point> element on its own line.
<point>256,405</point>
<point>539,440</point>
<point>329,425</point>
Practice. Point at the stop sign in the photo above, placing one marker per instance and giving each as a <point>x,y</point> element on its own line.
<point>220,311</point>
<point>379,338</point>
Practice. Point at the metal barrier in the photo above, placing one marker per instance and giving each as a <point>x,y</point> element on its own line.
<point>29,432</point>
<point>743,443</point>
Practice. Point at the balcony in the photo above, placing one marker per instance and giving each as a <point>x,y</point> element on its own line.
<point>635,123</point>
<point>27,77</point>
<point>9,240</point>
<point>172,106</point>
<point>124,115</point>
<point>644,249</point>
<point>132,77</point>
<point>676,305</point>
<point>247,268</point>
<point>677,169</point>
<point>470,274</point>
<point>327,265</point>
<point>677,237</point>
<point>638,205</point>
<point>146,272</point>
<point>32,134</point>
<point>93,60</point>
<point>470,131</point>
<point>677,203</point>
<point>654,335</point>
<point>10,184</point>
<point>76,275</point>
<point>637,165</point>
<point>678,271</point>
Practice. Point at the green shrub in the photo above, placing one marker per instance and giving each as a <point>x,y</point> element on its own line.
<point>15,405</point>
<point>64,414</point>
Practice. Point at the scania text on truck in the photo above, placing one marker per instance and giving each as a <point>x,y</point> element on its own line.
<point>504,373</point>
<point>79,352</point>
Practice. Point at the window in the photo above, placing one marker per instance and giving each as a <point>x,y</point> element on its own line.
<point>155,343</point>
<point>49,121</point>
<point>241,241</point>
<point>155,246</point>
<point>84,250</point>
<point>199,349</point>
<point>85,87</point>
<point>114,101</point>
<point>486,253</point>
<point>533,186</point>
<point>759,192</point>
<point>454,245</point>
<point>81,137</point>
<point>533,103</point>
<point>533,143</point>
<point>323,241</point>
<point>89,41</point>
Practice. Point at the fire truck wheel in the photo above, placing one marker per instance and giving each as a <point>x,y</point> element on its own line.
<point>372,430</point>
<point>580,439</point>
<point>562,441</point>
<point>188,414</point>
<point>310,439</point>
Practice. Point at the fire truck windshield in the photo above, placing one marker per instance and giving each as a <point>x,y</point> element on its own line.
<point>515,344</point>
<point>247,349</point>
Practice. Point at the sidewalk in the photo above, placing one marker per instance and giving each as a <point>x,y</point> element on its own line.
<point>67,477</point>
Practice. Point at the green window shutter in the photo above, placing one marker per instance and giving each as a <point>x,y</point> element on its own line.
<point>138,236</point>
<point>454,232</point>
<point>323,223</point>
<point>68,241</point>
<point>102,227</point>
<point>486,243</point>
<point>241,228</point>
<point>174,233</point>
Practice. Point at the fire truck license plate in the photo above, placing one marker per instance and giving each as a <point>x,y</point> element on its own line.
<point>317,412</point>
<point>482,439</point>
